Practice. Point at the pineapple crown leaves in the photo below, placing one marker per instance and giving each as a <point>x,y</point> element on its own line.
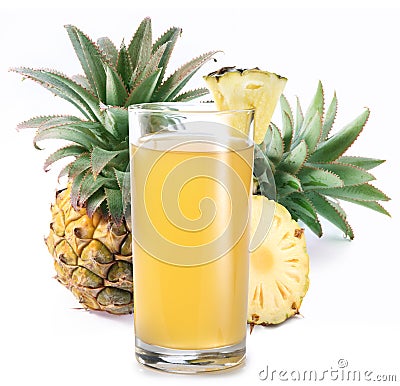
<point>311,171</point>
<point>84,100</point>
<point>122,63</point>
<point>169,89</point>
<point>113,79</point>
<point>67,151</point>
<point>189,95</point>
<point>108,49</point>
<point>140,46</point>
<point>151,66</point>
<point>40,121</point>
<point>93,62</point>
<point>170,37</point>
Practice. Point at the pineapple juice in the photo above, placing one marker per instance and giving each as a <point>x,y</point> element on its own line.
<point>191,239</point>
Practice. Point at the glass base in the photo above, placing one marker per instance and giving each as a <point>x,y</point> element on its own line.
<point>190,361</point>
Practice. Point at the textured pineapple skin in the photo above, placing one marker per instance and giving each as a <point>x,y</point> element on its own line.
<point>92,257</point>
<point>279,268</point>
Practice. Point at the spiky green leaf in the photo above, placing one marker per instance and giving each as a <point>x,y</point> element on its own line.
<point>76,187</point>
<point>169,89</point>
<point>144,91</point>
<point>116,122</point>
<point>124,65</point>
<point>301,208</point>
<point>94,202</point>
<point>300,205</point>
<point>285,107</point>
<point>361,162</point>
<point>370,205</point>
<point>167,36</point>
<point>86,126</point>
<point>263,174</point>
<point>294,160</point>
<point>316,106</point>
<point>329,118</point>
<point>58,121</point>
<point>350,175</point>
<point>34,122</point>
<point>81,164</point>
<point>123,179</point>
<point>108,49</point>
<point>78,134</point>
<point>115,204</point>
<point>336,145</point>
<point>48,121</point>
<point>82,81</point>
<point>170,36</point>
<point>364,192</point>
<point>311,132</point>
<point>106,138</point>
<point>140,46</point>
<point>335,204</point>
<point>299,118</point>
<point>287,131</point>
<point>313,178</point>
<point>286,183</point>
<point>92,60</point>
<point>326,208</point>
<point>66,88</point>
<point>191,94</point>
<point>150,67</point>
<point>287,122</point>
<point>273,144</point>
<point>91,184</point>
<point>100,158</point>
<point>116,93</point>
<point>64,171</point>
<point>313,224</point>
<point>68,151</point>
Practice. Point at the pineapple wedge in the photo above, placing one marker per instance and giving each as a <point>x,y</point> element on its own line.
<point>279,266</point>
<point>235,89</point>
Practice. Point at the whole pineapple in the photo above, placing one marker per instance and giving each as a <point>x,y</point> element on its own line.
<point>90,238</point>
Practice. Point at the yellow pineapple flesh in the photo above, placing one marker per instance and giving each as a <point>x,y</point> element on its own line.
<point>235,89</point>
<point>279,266</point>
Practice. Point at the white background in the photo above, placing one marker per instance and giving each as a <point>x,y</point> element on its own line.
<point>352,309</point>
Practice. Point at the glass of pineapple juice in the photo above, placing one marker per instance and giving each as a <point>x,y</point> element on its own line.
<point>191,177</point>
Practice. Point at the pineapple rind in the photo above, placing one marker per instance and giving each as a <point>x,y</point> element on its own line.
<point>92,257</point>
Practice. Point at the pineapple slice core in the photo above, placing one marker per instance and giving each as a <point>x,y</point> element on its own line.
<point>262,261</point>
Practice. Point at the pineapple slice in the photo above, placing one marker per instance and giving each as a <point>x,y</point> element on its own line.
<point>247,89</point>
<point>279,266</point>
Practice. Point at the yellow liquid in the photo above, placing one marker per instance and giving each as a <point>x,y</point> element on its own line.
<point>191,277</point>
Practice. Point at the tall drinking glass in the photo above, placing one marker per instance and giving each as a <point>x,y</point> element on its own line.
<point>191,174</point>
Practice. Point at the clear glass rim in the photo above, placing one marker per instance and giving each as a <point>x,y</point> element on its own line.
<point>183,107</point>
